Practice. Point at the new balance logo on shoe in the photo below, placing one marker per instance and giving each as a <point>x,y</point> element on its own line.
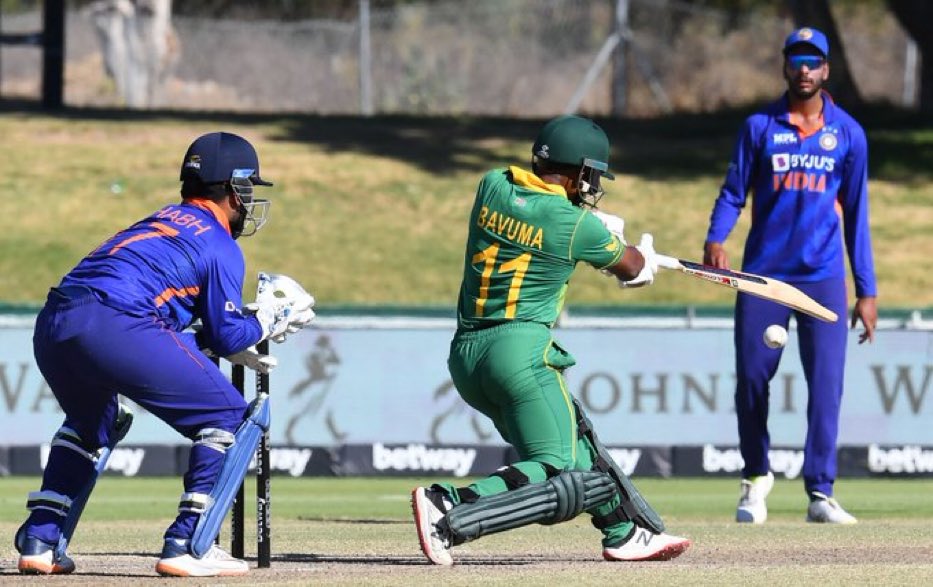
<point>645,546</point>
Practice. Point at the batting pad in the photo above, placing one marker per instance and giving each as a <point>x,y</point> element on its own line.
<point>633,506</point>
<point>558,499</point>
<point>236,463</point>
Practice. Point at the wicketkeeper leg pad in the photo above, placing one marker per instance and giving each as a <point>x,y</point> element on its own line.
<point>67,438</point>
<point>214,508</point>
<point>558,499</point>
<point>120,427</point>
<point>633,506</point>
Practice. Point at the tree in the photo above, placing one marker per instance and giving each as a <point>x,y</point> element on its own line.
<point>916,16</point>
<point>138,44</point>
<point>816,13</point>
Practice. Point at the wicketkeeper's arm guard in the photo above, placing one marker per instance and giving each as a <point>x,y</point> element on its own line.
<point>633,506</point>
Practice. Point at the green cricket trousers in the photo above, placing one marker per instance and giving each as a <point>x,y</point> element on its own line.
<point>513,374</point>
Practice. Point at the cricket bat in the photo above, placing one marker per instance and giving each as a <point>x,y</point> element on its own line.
<point>756,285</point>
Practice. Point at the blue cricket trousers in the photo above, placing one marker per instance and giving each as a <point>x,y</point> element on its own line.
<point>822,353</point>
<point>89,353</point>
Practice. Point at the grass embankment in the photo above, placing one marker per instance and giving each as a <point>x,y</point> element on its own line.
<point>374,211</point>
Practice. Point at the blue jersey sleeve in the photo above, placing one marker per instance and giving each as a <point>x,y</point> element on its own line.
<point>853,198</point>
<point>734,191</point>
<point>226,330</point>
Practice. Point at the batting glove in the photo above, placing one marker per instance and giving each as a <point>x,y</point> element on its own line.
<point>613,224</point>
<point>646,275</point>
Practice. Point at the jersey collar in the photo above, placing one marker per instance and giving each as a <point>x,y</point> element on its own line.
<point>527,179</point>
<point>829,108</point>
<point>213,208</point>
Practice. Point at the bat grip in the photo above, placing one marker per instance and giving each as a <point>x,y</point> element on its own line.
<point>667,262</point>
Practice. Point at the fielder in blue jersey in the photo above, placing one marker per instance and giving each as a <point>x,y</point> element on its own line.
<point>805,161</point>
<point>114,325</point>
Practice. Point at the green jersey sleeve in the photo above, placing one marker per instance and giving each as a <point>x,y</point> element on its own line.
<point>594,244</point>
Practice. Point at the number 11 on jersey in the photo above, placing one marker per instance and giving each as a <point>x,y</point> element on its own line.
<point>518,266</point>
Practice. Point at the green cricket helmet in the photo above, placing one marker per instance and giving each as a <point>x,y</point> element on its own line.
<point>574,141</point>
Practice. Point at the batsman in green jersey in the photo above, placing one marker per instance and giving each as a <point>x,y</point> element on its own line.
<point>527,232</point>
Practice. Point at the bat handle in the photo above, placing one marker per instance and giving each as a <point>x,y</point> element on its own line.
<point>667,262</point>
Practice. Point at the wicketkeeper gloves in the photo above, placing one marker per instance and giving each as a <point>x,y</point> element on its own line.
<point>282,306</point>
<point>251,359</point>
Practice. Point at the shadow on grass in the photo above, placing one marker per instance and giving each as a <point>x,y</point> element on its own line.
<point>372,521</point>
<point>680,146</point>
<point>311,558</point>
<point>420,561</point>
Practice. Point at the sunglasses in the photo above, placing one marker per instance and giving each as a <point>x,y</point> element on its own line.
<point>811,61</point>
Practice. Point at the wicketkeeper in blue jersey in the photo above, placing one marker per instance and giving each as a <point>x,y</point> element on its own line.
<point>114,325</point>
<point>805,161</point>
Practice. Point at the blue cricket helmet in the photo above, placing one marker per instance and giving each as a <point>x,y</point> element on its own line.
<point>214,157</point>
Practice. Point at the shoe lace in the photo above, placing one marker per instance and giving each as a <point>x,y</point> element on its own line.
<point>442,536</point>
<point>747,488</point>
<point>439,498</point>
<point>818,496</point>
<point>441,531</point>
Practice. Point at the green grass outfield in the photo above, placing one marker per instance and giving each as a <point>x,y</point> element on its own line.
<point>352,531</point>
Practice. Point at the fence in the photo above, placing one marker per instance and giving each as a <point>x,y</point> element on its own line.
<point>484,57</point>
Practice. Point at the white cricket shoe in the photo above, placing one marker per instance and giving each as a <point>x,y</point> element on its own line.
<point>430,506</point>
<point>826,510</point>
<point>752,508</point>
<point>39,558</point>
<point>176,561</point>
<point>645,545</point>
